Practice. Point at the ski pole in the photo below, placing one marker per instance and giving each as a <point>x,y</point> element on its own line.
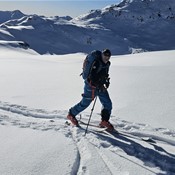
<point>90,115</point>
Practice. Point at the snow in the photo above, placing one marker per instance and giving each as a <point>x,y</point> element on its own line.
<point>28,151</point>
<point>5,32</point>
<point>20,27</point>
<point>154,72</point>
<point>37,91</point>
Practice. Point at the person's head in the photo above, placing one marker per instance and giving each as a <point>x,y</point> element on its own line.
<point>106,54</point>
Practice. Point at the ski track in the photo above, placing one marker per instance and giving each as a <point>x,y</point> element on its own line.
<point>94,147</point>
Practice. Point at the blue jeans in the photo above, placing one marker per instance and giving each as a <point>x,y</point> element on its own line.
<point>89,94</point>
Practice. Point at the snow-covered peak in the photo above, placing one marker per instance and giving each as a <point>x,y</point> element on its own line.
<point>152,9</point>
<point>17,14</point>
<point>34,20</point>
<point>9,15</point>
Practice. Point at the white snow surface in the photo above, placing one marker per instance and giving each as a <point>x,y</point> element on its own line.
<point>37,91</point>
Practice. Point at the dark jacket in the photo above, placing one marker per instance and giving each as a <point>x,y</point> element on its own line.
<point>98,75</point>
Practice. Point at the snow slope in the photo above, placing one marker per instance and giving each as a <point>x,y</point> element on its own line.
<point>37,91</point>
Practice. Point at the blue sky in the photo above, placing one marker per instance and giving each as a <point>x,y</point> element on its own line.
<point>53,8</point>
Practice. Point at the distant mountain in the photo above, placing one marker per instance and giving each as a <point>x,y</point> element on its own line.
<point>56,18</point>
<point>145,24</point>
<point>128,27</point>
<point>9,15</point>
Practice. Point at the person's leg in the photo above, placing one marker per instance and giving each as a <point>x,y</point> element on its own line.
<point>106,110</point>
<point>106,105</point>
<point>88,96</point>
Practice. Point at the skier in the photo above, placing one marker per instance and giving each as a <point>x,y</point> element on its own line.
<point>96,83</point>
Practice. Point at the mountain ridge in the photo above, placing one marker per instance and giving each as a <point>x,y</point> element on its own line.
<point>130,26</point>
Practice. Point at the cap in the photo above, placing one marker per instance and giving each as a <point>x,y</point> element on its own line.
<point>106,52</point>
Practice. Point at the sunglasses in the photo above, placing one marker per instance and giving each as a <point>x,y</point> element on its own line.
<point>107,55</point>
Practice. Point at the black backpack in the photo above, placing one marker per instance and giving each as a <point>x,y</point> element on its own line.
<point>88,62</point>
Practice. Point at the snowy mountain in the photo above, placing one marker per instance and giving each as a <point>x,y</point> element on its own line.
<point>145,24</point>
<point>128,27</point>
<point>36,92</point>
<point>10,15</point>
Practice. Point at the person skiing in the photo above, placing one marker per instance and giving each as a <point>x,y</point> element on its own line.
<point>96,79</point>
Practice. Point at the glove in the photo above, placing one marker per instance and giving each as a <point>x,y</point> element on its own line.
<point>107,83</point>
<point>102,89</point>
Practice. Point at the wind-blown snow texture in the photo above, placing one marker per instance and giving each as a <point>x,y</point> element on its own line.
<point>128,27</point>
<point>36,92</point>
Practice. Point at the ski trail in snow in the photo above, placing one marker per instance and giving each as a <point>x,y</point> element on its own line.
<point>132,127</point>
<point>43,124</point>
<point>99,153</point>
<point>153,156</point>
<point>86,155</point>
<point>89,155</point>
<point>36,113</point>
<point>153,136</point>
<point>99,148</point>
<point>59,116</point>
<point>163,135</point>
